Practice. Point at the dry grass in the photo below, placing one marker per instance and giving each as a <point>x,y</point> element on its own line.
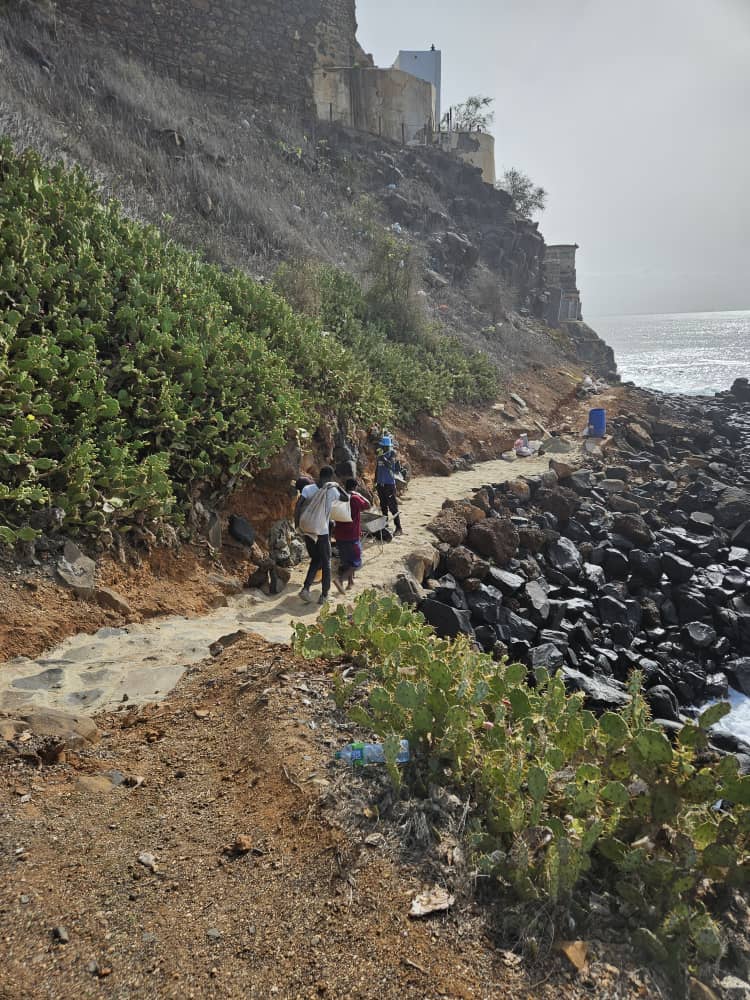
<point>242,182</point>
<point>245,185</point>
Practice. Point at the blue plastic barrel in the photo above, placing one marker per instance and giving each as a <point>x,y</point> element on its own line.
<point>598,423</point>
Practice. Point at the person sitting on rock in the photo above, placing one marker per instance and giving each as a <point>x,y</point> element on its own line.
<point>348,535</point>
<point>387,467</point>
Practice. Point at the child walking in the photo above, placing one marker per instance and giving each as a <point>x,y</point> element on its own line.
<point>348,535</point>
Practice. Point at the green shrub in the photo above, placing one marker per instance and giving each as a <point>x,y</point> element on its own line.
<point>420,370</point>
<point>562,799</point>
<point>131,373</point>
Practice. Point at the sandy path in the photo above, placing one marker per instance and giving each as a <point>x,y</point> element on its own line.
<point>140,663</point>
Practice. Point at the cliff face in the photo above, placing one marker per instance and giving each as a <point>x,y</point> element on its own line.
<point>256,48</point>
<point>590,350</point>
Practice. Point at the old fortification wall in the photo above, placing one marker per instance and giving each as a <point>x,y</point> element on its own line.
<point>261,49</point>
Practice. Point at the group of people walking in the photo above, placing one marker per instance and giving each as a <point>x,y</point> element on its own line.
<point>326,502</point>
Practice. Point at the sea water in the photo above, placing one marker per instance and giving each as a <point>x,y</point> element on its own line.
<point>693,353</point>
<point>697,354</point>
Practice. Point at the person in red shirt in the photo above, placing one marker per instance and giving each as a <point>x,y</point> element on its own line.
<point>347,535</point>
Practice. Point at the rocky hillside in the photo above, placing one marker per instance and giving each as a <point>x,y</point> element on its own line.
<point>250,186</point>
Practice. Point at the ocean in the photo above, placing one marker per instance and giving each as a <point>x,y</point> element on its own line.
<point>693,353</point>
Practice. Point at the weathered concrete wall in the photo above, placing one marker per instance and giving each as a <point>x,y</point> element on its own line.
<point>426,65</point>
<point>262,49</point>
<point>476,148</point>
<point>386,102</point>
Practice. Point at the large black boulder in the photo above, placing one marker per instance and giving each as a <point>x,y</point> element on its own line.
<point>547,655</point>
<point>738,672</point>
<point>699,634</point>
<point>677,569</point>
<point>565,557</point>
<point>448,622</point>
<point>447,591</point>
<point>663,703</point>
<point>601,694</point>
<point>741,536</point>
<point>645,565</point>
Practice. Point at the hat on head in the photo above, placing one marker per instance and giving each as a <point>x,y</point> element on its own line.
<point>386,441</point>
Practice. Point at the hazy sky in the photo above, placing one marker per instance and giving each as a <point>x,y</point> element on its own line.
<point>634,115</point>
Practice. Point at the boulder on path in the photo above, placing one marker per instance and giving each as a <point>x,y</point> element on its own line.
<point>495,538</point>
<point>77,731</point>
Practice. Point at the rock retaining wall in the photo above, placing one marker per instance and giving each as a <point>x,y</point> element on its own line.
<point>253,48</point>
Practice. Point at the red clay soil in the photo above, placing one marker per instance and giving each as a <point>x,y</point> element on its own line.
<point>37,613</point>
<point>304,908</point>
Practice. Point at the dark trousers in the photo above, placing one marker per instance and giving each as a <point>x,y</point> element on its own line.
<point>388,499</point>
<point>320,559</point>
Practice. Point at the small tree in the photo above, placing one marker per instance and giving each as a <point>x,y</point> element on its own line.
<point>474,115</point>
<point>528,199</point>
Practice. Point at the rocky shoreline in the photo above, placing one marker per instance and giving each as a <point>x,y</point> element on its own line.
<point>636,557</point>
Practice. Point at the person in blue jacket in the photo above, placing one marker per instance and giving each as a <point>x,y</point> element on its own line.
<point>387,467</point>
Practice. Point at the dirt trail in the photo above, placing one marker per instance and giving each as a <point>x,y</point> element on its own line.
<point>140,663</point>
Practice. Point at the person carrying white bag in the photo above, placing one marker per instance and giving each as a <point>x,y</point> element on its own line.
<point>318,503</point>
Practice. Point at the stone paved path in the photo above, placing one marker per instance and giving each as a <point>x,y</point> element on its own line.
<point>88,673</point>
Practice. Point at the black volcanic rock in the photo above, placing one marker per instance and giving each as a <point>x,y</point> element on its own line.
<point>447,621</point>
<point>677,569</point>
<point>663,703</point>
<point>565,557</point>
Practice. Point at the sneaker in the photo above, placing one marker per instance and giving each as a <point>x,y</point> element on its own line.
<point>323,599</point>
<point>306,596</point>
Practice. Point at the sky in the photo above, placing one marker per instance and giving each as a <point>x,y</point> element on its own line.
<point>635,116</point>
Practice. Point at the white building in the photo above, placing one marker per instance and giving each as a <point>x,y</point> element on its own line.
<point>426,65</point>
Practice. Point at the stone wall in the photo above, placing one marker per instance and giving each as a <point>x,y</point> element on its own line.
<point>261,49</point>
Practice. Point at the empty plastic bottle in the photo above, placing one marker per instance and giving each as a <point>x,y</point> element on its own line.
<point>359,754</point>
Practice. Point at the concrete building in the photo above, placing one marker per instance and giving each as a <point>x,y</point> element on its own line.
<point>387,102</point>
<point>425,65</point>
<point>564,302</point>
<point>477,148</point>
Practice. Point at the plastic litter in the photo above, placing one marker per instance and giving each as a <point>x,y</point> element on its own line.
<point>360,754</point>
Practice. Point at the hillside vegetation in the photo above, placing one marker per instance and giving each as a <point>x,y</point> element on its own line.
<point>560,803</point>
<point>134,376</point>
